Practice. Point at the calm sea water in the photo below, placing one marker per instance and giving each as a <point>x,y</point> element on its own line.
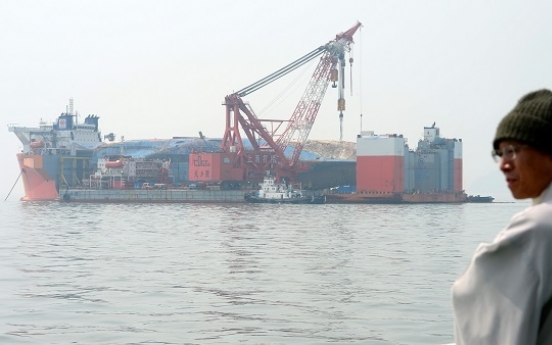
<point>235,274</point>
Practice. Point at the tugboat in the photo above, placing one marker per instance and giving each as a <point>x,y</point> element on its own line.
<point>478,198</point>
<point>272,192</point>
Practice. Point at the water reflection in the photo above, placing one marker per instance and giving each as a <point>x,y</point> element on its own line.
<point>267,274</point>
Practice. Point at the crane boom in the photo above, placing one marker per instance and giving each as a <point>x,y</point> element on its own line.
<point>281,72</point>
<point>306,111</point>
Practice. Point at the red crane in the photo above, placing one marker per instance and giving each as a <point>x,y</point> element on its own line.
<point>268,147</point>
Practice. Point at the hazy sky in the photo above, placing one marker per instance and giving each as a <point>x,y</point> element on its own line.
<point>158,69</point>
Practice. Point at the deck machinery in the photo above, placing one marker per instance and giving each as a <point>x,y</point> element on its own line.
<point>236,163</point>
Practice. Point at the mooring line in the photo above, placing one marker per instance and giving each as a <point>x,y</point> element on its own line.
<point>17,179</point>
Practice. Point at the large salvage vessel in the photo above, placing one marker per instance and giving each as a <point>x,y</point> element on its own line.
<point>68,161</point>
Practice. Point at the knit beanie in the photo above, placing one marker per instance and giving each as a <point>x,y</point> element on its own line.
<point>529,122</point>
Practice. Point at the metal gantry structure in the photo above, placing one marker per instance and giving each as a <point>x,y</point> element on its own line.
<point>269,154</point>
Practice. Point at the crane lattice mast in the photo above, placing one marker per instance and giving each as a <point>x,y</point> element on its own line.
<point>301,122</point>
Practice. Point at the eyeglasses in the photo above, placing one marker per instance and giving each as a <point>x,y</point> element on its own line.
<point>507,152</point>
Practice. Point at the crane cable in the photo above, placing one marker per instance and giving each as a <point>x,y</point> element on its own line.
<point>280,97</point>
<point>351,60</point>
<point>360,78</point>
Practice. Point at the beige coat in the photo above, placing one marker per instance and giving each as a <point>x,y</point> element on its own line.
<point>499,299</point>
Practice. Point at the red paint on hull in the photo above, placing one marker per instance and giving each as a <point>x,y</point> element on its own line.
<point>458,175</point>
<point>37,183</point>
<point>383,174</point>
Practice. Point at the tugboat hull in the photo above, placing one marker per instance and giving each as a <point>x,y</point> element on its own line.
<point>251,198</point>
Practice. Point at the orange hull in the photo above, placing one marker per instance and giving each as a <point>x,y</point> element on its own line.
<point>388,177</point>
<point>457,197</point>
<point>396,198</point>
<point>37,183</point>
<point>364,198</point>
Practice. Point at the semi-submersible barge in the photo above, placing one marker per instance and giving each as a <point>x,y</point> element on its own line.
<point>69,161</point>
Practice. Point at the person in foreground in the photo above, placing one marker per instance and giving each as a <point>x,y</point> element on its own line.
<point>505,295</point>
